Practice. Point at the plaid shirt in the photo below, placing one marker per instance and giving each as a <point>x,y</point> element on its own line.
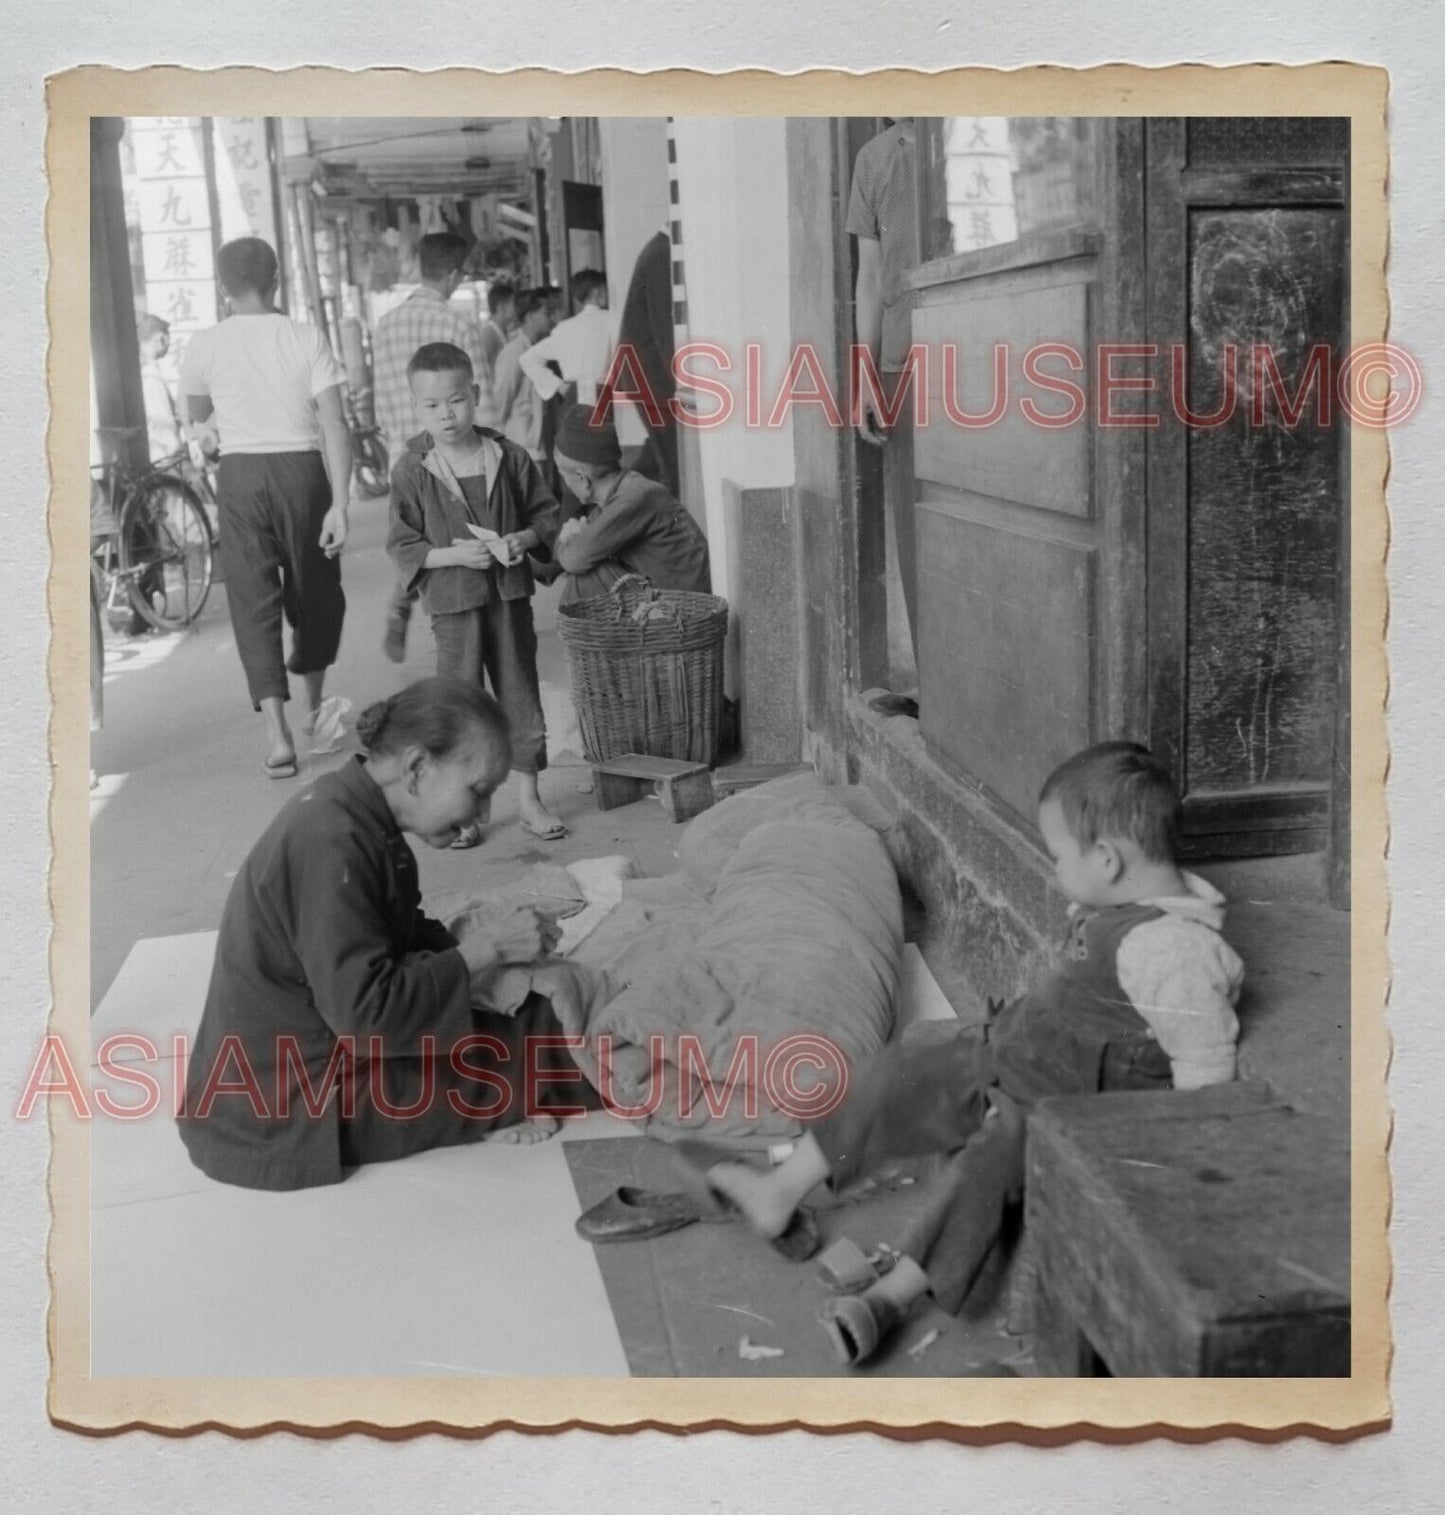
<point>421,318</point>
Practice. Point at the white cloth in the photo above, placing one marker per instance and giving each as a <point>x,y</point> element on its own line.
<point>263,374</point>
<point>1184,979</point>
<point>581,347</point>
<point>162,423</point>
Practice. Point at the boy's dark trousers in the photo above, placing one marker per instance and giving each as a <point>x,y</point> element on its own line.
<point>927,1094</point>
<point>496,644</point>
<point>964,1093</point>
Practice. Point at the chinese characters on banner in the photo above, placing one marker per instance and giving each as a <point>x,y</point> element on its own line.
<point>979,177</point>
<point>245,189</point>
<point>177,239</point>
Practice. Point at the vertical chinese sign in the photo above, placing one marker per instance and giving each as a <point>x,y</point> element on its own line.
<point>245,186</point>
<point>177,231</point>
<point>980,182</point>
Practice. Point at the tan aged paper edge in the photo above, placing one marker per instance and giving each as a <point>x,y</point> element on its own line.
<point>979,1410</point>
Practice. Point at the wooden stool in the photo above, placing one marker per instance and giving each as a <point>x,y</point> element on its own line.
<point>736,776</point>
<point>1200,1234</point>
<point>686,788</point>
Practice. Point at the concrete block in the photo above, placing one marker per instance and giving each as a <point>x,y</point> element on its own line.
<point>764,594</point>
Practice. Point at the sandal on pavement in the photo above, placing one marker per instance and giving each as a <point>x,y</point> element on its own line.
<point>632,1214</point>
<point>285,769</point>
<point>553,833</point>
<point>857,1324</point>
<point>468,836</point>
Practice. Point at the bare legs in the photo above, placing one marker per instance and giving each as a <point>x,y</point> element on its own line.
<point>282,749</point>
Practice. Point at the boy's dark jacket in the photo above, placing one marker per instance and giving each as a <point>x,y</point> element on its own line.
<point>428,509</point>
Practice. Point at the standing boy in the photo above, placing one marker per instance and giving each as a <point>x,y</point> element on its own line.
<point>274,387</point>
<point>519,406</point>
<point>501,322</point>
<point>453,477</point>
<point>426,315</point>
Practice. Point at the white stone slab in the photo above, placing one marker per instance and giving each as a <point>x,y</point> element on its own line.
<point>460,1261</point>
<point>159,993</point>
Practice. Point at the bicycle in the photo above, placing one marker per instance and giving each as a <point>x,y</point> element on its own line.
<point>152,551</point>
<point>370,459</point>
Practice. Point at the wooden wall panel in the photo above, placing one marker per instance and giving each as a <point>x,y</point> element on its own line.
<point>1007,662</point>
<point>1014,459</point>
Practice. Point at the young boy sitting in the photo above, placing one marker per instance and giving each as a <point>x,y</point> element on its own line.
<point>1142,998</point>
<point>453,477</point>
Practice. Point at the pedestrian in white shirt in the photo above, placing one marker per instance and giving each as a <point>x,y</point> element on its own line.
<point>283,489</point>
<point>581,346</point>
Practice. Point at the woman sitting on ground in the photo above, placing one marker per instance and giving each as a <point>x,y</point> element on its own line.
<point>342,1026</point>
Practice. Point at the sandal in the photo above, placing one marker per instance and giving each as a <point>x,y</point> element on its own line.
<point>858,1323</point>
<point>468,836</point>
<point>553,833</point>
<point>285,769</point>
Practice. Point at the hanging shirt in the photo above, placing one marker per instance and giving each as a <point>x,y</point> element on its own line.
<point>883,207</point>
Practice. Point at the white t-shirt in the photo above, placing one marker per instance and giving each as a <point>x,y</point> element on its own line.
<point>262,374</point>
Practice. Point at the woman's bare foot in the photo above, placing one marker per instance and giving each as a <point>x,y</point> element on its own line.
<point>528,1133</point>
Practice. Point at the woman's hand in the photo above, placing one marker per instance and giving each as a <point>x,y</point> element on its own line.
<point>521,937</point>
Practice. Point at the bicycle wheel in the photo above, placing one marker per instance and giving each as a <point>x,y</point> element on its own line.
<point>166,552</point>
<point>373,467</point>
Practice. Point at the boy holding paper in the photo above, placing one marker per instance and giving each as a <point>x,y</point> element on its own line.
<point>469,509</point>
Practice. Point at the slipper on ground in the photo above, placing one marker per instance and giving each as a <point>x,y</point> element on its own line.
<point>632,1214</point>
<point>553,833</point>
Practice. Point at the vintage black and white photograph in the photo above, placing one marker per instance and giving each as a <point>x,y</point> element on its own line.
<point>721,746</point>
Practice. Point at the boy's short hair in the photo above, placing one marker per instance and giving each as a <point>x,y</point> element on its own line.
<point>440,253</point>
<point>440,357</point>
<point>1117,789</point>
<point>148,326</point>
<point>498,295</point>
<point>585,282</point>
<point>247,266</point>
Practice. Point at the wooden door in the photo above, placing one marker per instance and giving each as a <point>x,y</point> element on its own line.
<point>1247,249</point>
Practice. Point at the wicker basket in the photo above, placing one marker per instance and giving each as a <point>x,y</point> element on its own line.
<point>647,670</point>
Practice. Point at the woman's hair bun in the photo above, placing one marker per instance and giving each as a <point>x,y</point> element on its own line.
<point>372,722</point>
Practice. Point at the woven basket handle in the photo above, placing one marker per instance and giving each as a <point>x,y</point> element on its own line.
<point>628,592</point>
